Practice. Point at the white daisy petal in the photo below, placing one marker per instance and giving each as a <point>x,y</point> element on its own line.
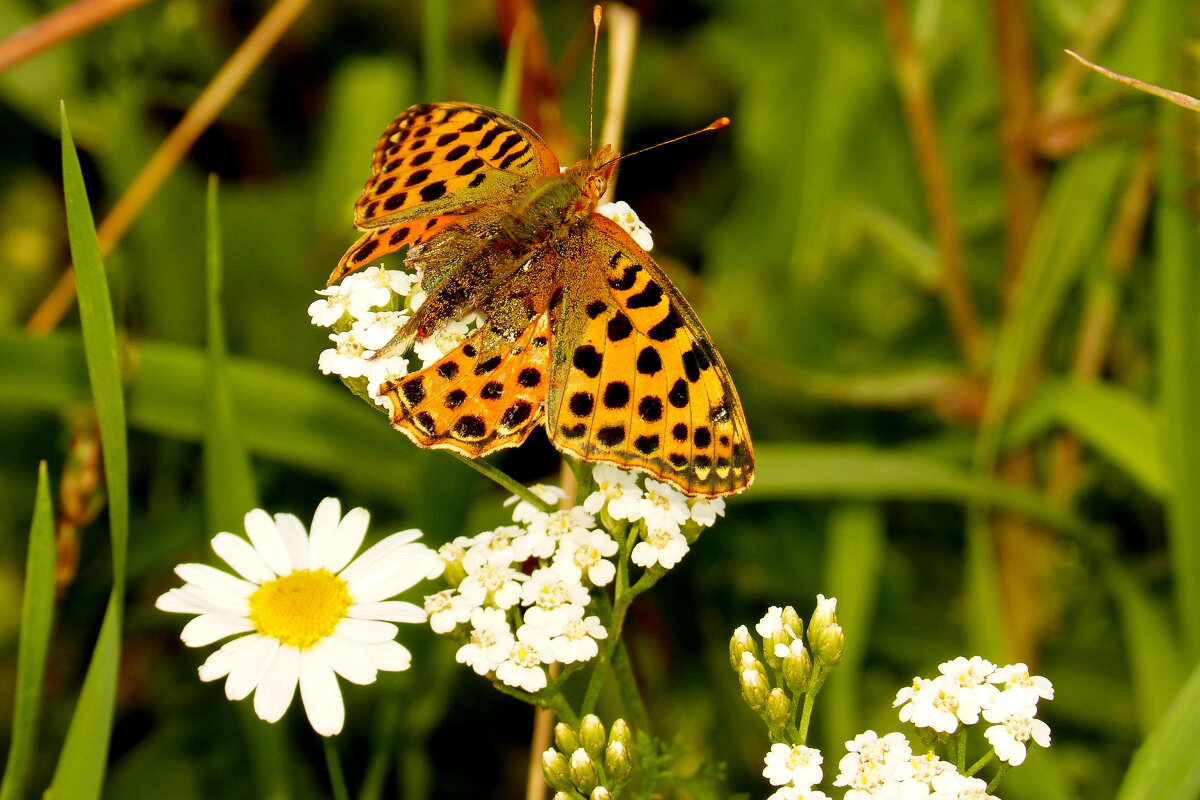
<point>278,685</point>
<point>295,538</point>
<point>389,611</point>
<point>207,577</point>
<point>400,570</point>
<point>176,601</point>
<point>390,656</point>
<point>222,660</point>
<point>348,538</point>
<point>348,660</point>
<point>209,628</point>
<point>321,695</point>
<point>209,601</point>
<point>241,555</point>
<point>323,530</point>
<point>248,670</point>
<point>377,551</point>
<point>267,541</point>
<point>367,631</point>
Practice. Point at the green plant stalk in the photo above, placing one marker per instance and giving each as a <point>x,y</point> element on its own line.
<point>497,476</point>
<point>983,761</point>
<point>333,762</point>
<point>815,682</point>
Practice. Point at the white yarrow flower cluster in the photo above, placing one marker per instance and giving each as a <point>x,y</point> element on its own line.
<point>663,512</point>
<point>519,623</point>
<point>796,770</point>
<point>966,689</point>
<point>365,311</point>
<point>302,610</point>
<point>620,213</point>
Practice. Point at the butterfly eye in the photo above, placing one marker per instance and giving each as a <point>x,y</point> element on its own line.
<point>597,184</point>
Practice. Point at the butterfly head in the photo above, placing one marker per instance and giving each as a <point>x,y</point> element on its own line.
<point>592,174</point>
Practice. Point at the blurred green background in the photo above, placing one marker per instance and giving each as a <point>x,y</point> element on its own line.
<point>953,274</point>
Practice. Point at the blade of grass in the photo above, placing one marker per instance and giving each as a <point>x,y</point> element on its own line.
<point>854,556</point>
<point>79,774</point>
<point>37,620</point>
<point>514,60</point>
<point>229,490</point>
<point>435,48</point>
<point>1165,766</point>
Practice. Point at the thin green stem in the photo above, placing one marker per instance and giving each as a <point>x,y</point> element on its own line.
<point>333,762</point>
<point>496,476</point>
<point>627,685</point>
<point>999,776</point>
<point>552,700</point>
<point>983,761</point>
<point>815,682</point>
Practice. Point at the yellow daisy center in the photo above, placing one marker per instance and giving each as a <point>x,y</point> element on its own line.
<point>300,609</point>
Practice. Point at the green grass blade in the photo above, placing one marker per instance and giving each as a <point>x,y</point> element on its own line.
<point>37,620</point>
<point>1165,766</point>
<point>854,557</point>
<point>514,62</point>
<point>79,774</point>
<point>436,51</point>
<point>1110,419</point>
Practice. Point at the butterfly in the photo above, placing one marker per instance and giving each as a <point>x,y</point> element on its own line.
<point>582,329</point>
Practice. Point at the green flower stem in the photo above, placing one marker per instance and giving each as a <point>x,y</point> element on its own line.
<point>550,698</point>
<point>810,696</point>
<point>627,685</point>
<point>983,761</point>
<point>333,762</point>
<point>493,474</point>
<point>999,775</point>
<point>958,746</point>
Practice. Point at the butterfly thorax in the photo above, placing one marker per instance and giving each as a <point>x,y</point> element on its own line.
<point>562,202</point>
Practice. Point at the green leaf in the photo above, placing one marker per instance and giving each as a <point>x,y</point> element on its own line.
<point>37,620</point>
<point>1110,419</point>
<point>1165,766</point>
<point>852,471</point>
<point>79,774</point>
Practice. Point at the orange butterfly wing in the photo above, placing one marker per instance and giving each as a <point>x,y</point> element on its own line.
<point>637,382</point>
<point>435,166</point>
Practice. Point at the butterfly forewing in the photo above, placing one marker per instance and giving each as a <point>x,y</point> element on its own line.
<point>636,380</point>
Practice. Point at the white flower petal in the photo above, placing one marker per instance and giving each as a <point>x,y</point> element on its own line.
<point>248,670</point>
<point>320,693</point>
<point>295,538</point>
<point>176,601</point>
<point>209,628</point>
<point>400,570</point>
<point>207,577</point>
<point>390,656</point>
<point>323,530</point>
<point>239,554</point>
<point>210,601</point>
<point>267,541</point>
<point>366,631</point>
<point>278,685</point>
<point>390,611</point>
<point>346,541</point>
<point>222,660</point>
<point>377,551</point>
<point>348,660</point>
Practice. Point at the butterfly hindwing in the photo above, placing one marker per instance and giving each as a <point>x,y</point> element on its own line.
<point>637,382</point>
<point>478,398</point>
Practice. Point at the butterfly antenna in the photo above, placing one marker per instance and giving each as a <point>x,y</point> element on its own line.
<point>716,124</point>
<point>597,13</point>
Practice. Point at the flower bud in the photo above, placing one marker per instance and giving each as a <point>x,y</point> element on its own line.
<point>600,793</point>
<point>619,732</point>
<point>750,662</point>
<point>797,667</point>
<point>592,736</point>
<point>791,621</point>
<point>779,708</point>
<point>618,762</point>
<point>754,689</point>
<point>557,770</point>
<point>740,643</point>
<point>561,796</point>
<point>583,771</point>
<point>565,738</point>
<point>824,634</point>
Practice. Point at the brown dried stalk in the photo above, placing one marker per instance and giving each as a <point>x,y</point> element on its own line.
<point>58,26</point>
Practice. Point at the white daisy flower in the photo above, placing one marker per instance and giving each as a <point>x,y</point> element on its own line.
<point>308,613</point>
<point>612,486</point>
<point>620,213</point>
<point>1015,726</point>
<point>799,765</point>
<point>661,546</point>
<point>491,641</point>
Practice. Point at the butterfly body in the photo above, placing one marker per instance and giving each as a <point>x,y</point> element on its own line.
<point>581,330</point>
